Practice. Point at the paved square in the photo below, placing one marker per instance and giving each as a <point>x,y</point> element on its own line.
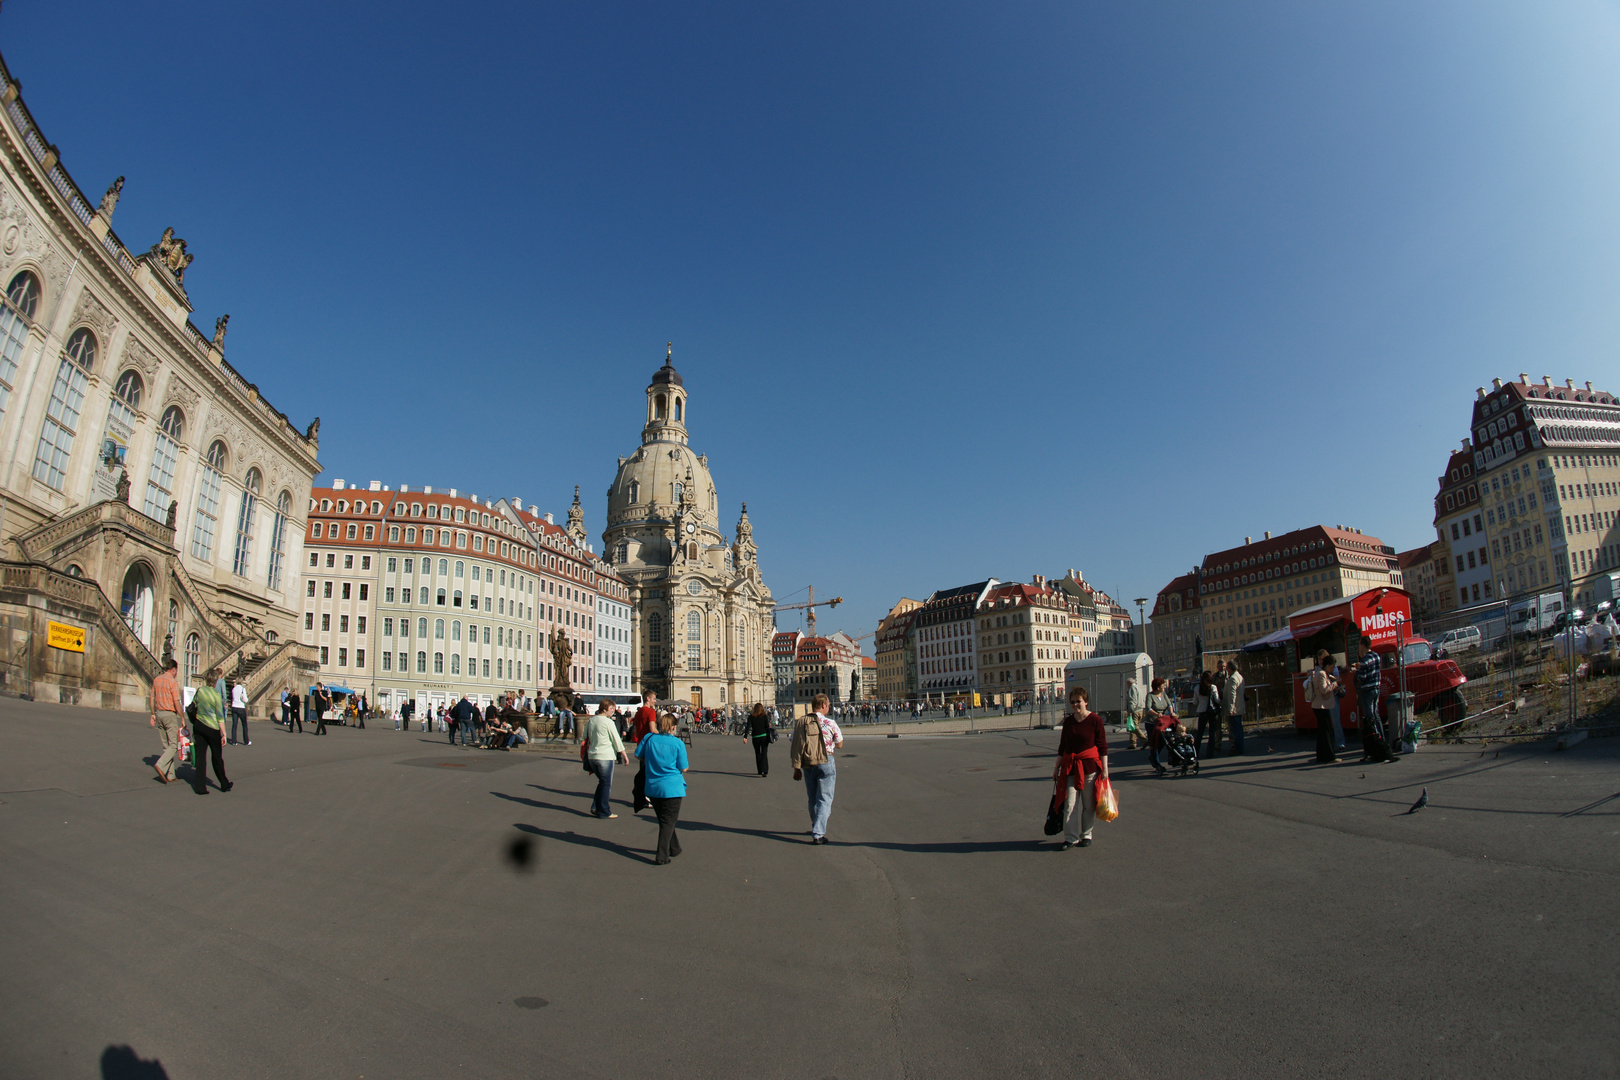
<point>350,910</point>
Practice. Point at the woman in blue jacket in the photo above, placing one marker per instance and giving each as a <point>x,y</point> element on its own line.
<point>664,757</point>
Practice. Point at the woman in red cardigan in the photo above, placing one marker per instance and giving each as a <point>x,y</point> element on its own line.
<point>1082,756</point>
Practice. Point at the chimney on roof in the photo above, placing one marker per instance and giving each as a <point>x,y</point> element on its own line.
<point>376,485</point>
<point>1546,380</point>
<point>1247,540</point>
<point>1496,384</point>
<point>452,493</point>
<point>1570,383</point>
<point>1039,581</point>
<point>548,519</point>
<point>517,502</point>
<point>428,490</point>
<point>1268,534</point>
<point>1467,445</point>
<point>1588,386</point>
<point>534,511</point>
<point>1524,376</point>
<point>337,485</point>
<point>404,489</point>
<point>474,498</point>
<point>1481,392</point>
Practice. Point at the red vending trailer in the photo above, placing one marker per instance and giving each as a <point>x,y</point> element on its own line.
<point>1381,619</point>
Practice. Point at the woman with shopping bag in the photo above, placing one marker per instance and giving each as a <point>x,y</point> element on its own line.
<point>1082,769</point>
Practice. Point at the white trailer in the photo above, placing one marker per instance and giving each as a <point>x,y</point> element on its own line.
<point>1104,679</point>
<point>1535,615</point>
<point>1606,587</point>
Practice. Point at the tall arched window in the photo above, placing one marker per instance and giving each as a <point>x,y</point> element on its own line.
<point>165,456</point>
<point>694,625</point>
<point>455,630</point>
<point>16,315</point>
<point>655,627</point>
<point>174,622</point>
<point>202,533</point>
<point>438,629</point>
<point>193,658</point>
<point>135,603</point>
<point>62,414</point>
<point>278,538</point>
<point>242,560</point>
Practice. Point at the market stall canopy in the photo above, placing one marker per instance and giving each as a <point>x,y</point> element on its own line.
<point>1305,630</point>
<point>1276,637</point>
<point>330,689</point>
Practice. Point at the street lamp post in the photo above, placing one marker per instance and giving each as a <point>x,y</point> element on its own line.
<point>1141,620</point>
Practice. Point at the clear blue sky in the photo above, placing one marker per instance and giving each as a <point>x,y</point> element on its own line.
<point>958,290</point>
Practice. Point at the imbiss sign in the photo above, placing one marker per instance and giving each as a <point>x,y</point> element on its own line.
<point>1377,614</point>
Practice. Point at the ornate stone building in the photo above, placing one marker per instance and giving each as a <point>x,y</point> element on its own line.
<point>701,618</point>
<point>152,501</point>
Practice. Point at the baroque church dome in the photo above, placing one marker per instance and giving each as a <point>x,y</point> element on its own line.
<point>664,480</point>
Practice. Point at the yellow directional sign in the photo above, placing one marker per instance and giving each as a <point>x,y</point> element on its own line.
<point>62,636</point>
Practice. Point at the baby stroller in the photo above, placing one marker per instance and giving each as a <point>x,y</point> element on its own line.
<point>1180,751</point>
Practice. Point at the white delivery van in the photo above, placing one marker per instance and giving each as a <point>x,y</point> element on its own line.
<point>1104,679</point>
<point>1459,639</point>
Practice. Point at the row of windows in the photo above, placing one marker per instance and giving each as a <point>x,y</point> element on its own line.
<point>63,421</point>
<point>502,668</point>
<point>326,590</point>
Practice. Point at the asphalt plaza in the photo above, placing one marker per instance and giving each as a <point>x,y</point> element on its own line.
<point>359,906</point>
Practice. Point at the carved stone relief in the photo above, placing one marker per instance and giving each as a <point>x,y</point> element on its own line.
<point>138,355</point>
<point>178,393</point>
<point>92,313</point>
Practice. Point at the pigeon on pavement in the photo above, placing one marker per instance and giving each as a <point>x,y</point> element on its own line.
<point>1423,800</point>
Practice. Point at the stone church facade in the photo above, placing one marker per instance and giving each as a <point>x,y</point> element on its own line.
<point>152,502</point>
<point>701,617</point>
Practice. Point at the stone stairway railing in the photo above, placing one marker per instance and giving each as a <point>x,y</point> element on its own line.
<point>277,668</point>
<point>87,596</point>
<point>37,544</point>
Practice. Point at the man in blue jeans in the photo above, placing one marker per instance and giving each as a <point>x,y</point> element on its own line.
<point>815,738</point>
<point>462,718</point>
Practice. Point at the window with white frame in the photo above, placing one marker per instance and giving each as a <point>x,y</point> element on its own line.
<point>16,316</point>
<point>208,486</point>
<point>278,537</point>
<point>165,458</point>
<point>242,560</point>
<point>62,414</point>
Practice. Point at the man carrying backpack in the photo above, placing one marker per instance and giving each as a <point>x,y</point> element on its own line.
<point>815,737</point>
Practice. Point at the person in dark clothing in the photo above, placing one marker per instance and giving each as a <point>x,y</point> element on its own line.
<point>295,712</point>
<point>360,707</point>
<point>323,702</point>
<point>463,715</point>
<point>759,735</point>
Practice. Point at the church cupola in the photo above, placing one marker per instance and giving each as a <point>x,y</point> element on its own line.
<point>666,404</point>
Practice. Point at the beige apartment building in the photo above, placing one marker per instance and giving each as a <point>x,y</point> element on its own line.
<point>1249,591</point>
<point>896,649</point>
<point>1547,460</point>
<point>1024,638</point>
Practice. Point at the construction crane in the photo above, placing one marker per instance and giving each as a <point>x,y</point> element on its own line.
<point>809,608</point>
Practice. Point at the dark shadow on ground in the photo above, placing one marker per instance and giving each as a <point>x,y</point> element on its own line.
<point>633,854</point>
<point>538,805</point>
<point>560,791</point>
<point>961,847</point>
<point>123,1063</point>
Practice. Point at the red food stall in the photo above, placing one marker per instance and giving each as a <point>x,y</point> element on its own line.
<point>1371,616</point>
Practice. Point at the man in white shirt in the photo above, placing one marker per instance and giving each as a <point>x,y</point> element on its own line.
<point>815,737</point>
<point>239,713</point>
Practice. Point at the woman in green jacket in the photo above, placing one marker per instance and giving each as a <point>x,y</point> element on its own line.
<point>209,708</point>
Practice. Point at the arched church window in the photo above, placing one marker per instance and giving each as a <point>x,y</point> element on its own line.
<point>694,626</point>
<point>655,627</point>
<point>635,491</point>
<point>242,560</point>
<point>658,407</point>
<point>678,404</point>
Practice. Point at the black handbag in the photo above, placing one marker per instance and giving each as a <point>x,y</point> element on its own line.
<point>1054,820</point>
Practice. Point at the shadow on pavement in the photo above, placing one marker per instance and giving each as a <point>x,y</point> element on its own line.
<point>633,854</point>
<point>538,805</point>
<point>123,1063</point>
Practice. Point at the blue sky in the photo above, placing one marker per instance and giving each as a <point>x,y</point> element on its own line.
<point>958,290</point>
